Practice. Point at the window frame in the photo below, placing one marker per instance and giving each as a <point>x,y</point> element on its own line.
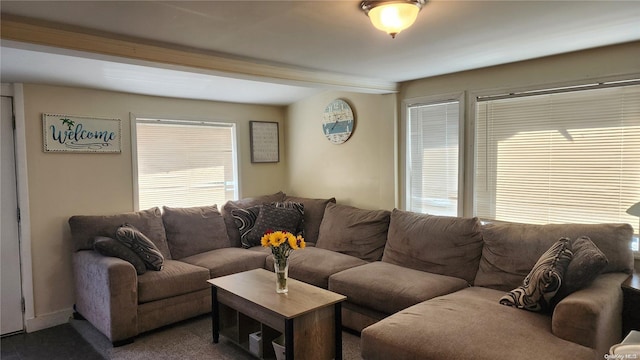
<point>406,150</point>
<point>179,120</point>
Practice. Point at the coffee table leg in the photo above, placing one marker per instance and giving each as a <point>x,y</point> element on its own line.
<point>338,331</point>
<point>288,339</point>
<point>215,315</point>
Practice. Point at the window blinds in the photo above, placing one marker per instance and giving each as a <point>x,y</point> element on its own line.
<point>183,164</point>
<point>433,158</point>
<point>559,157</point>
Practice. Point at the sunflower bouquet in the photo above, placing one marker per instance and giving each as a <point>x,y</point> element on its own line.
<point>282,243</point>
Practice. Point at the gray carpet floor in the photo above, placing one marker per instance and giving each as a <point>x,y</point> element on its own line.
<point>190,339</point>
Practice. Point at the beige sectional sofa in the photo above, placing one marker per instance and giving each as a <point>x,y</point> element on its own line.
<point>417,286</point>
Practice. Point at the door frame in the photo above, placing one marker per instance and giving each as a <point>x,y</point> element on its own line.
<point>24,227</point>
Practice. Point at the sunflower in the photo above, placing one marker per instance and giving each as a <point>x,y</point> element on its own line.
<point>282,243</point>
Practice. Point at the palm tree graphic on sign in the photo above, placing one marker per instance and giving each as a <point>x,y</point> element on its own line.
<point>68,122</point>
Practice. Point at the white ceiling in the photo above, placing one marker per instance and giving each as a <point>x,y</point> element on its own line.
<point>332,37</point>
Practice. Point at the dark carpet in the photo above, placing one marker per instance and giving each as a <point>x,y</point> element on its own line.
<point>190,339</point>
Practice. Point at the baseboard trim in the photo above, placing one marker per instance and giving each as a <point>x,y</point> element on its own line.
<point>48,320</point>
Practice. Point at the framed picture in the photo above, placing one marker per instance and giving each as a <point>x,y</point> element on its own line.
<point>66,133</point>
<point>265,147</point>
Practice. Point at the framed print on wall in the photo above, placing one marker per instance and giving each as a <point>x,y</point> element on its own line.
<point>265,147</point>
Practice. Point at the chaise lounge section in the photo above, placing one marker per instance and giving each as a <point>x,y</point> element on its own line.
<point>473,324</point>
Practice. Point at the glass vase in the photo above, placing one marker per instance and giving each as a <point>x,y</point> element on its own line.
<point>281,267</point>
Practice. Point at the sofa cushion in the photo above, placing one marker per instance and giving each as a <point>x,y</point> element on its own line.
<point>111,247</point>
<point>313,215</point>
<point>543,282</point>
<point>135,240</point>
<point>314,265</point>
<point>511,249</point>
<point>587,263</point>
<point>227,261</point>
<point>85,227</point>
<point>194,230</point>
<point>438,244</point>
<point>176,278</point>
<point>352,231</point>
<point>467,324</point>
<point>395,287</point>
<point>232,229</point>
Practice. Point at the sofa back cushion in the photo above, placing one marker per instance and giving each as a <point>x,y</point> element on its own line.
<point>194,230</point>
<point>438,244</point>
<point>313,215</point>
<point>232,229</point>
<point>511,249</point>
<point>353,231</point>
<point>84,228</point>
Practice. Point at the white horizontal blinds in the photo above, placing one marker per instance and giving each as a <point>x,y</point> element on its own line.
<point>182,164</point>
<point>561,157</point>
<point>433,158</point>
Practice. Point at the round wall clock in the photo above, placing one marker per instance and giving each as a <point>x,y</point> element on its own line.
<point>338,121</point>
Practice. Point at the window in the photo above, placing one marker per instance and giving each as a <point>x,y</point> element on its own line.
<point>559,156</point>
<point>432,157</point>
<point>184,163</point>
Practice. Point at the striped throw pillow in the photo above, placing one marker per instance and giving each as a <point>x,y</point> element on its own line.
<point>141,245</point>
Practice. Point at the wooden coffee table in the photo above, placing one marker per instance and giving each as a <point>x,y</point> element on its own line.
<point>308,316</point>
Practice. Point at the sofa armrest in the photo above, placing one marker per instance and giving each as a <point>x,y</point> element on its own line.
<point>106,291</point>
<point>592,316</point>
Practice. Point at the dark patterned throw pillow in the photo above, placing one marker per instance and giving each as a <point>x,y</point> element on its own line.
<point>544,280</point>
<point>141,245</point>
<point>274,218</point>
<point>111,247</point>
<point>245,219</point>
<point>299,207</point>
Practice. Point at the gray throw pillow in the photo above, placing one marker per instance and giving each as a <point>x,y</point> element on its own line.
<point>111,247</point>
<point>274,218</point>
<point>141,245</point>
<point>588,262</point>
<point>544,280</point>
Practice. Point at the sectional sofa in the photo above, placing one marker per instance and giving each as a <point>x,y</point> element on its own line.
<point>418,286</point>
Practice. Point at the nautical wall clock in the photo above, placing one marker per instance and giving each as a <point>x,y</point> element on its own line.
<point>338,121</point>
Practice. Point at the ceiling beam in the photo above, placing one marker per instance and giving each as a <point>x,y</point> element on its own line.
<point>85,40</point>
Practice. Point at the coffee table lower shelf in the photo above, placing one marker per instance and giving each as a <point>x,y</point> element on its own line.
<point>308,317</point>
<point>237,327</point>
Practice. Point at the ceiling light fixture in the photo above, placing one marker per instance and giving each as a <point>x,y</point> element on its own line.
<point>392,16</point>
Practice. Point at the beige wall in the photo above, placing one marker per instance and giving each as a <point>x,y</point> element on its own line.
<point>359,172</point>
<point>61,185</point>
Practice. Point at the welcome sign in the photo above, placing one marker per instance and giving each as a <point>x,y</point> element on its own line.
<point>65,133</point>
